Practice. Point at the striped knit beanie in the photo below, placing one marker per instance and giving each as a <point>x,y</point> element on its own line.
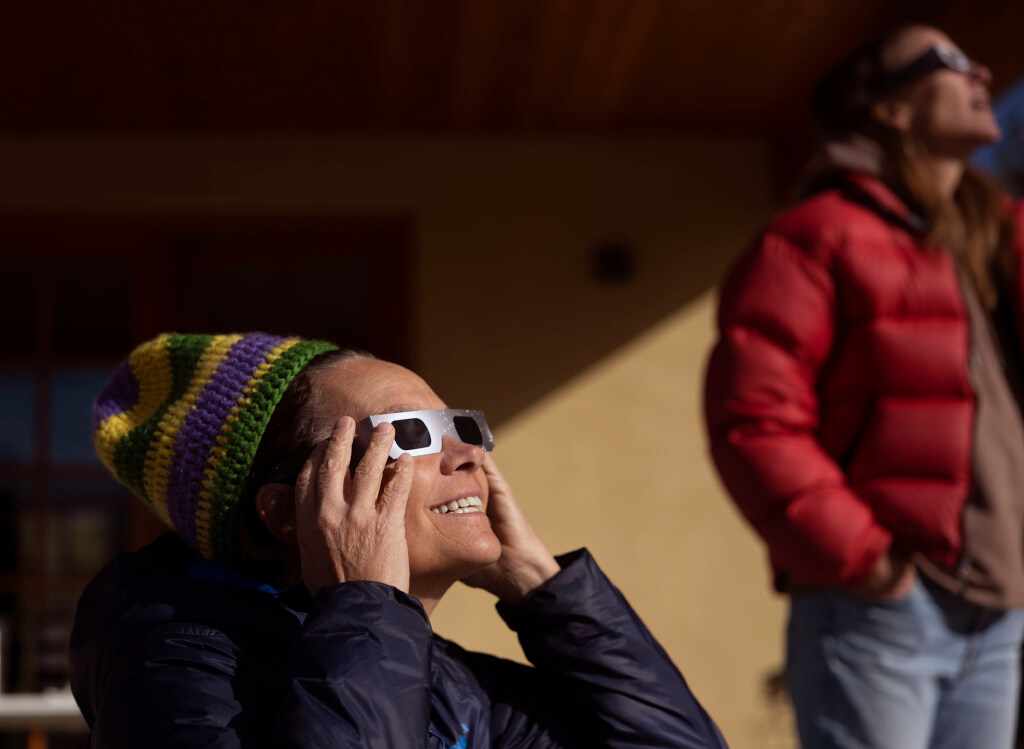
<point>180,421</point>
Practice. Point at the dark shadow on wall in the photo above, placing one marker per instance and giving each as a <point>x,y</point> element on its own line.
<point>499,268</point>
<point>560,328</point>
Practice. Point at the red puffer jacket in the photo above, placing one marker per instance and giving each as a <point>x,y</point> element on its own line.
<point>837,398</point>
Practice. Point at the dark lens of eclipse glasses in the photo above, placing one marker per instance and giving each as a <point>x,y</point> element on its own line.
<point>411,434</point>
<point>469,430</point>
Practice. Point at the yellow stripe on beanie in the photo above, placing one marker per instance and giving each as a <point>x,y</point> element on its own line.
<point>151,368</point>
<point>161,451</point>
<point>203,515</point>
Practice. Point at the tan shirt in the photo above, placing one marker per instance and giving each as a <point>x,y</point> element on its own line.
<point>992,572</point>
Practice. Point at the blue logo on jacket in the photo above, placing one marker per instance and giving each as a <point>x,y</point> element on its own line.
<point>463,743</point>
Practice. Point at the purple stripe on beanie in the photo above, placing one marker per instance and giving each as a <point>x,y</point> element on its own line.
<point>204,421</point>
<point>120,395</point>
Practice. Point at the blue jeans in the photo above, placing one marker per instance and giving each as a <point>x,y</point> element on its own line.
<point>930,671</point>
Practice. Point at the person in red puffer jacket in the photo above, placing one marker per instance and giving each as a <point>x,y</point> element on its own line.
<point>863,409</point>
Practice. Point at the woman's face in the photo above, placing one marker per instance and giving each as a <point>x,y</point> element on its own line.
<point>948,111</point>
<point>443,548</point>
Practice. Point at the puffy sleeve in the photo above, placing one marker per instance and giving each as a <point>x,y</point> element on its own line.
<point>776,326</point>
<point>600,680</point>
<point>359,675</point>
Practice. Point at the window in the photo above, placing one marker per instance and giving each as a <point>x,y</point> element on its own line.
<point>80,294</point>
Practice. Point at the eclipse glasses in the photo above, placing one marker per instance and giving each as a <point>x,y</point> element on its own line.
<point>416,433</point>
<point>939,55</point>
<point>420,432</point>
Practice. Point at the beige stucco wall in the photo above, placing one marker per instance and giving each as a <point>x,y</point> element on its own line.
<point>613,460</point>
<point>596,388</point>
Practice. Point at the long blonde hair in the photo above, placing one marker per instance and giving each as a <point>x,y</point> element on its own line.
<point>975,224</point>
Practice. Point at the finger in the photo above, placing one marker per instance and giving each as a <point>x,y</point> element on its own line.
<point>502,507</point>
<point>307,503</point>
<point>498,488</point>
<point>333,466</point>
<point>367,477</point>
<point>306,481</point>
<point>491,470</point>
<point>394,495</point>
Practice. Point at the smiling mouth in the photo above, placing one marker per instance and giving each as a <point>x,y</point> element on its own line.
<point>460,506</point>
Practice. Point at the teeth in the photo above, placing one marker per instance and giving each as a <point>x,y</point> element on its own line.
<point>460,506</point>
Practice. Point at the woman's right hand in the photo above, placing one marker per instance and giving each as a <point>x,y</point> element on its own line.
<point>891,579</point>
<point>351,526</point>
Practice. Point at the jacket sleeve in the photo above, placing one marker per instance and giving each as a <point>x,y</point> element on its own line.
<point>360,674</point>
<point>611,685</point>
<point>776,324</point>
<point>189,685</point>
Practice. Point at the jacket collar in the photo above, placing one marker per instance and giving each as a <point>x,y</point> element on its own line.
<point>872,192</point>
<point>857,167</point>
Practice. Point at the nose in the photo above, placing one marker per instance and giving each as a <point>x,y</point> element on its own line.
<point>459,456</point>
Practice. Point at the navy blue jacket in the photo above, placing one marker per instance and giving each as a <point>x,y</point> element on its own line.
<point>164,656</point>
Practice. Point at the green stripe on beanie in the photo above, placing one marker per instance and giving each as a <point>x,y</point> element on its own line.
<point>244,436</point>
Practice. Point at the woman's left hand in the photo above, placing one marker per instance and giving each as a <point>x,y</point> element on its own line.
<point>525,564</point>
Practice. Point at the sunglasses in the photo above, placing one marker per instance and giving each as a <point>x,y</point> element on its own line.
<point>937,56</point>
<point>416,433</point>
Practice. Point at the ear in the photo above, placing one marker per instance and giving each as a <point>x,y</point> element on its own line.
<point>894,113</point>
<point>275,505</point>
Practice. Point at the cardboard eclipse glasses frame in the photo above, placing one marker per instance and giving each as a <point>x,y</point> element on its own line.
<point>416,433</point>
<point>421,432</point>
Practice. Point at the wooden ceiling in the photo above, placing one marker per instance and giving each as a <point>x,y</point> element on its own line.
<point>506,66</point>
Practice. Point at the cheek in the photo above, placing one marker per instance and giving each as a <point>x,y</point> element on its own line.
<point>947,102</point>
<point>420,494</point>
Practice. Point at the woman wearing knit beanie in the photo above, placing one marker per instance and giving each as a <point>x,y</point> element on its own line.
<point>322,502</point>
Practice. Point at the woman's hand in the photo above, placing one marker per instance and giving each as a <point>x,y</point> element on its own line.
<point>525,562</point>
<point>352,526</point>
<point>891,579</point>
